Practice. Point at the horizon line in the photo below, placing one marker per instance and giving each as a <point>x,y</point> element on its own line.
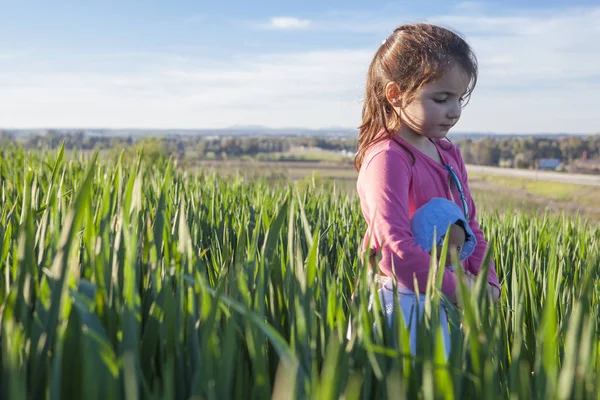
<point>232,128</point>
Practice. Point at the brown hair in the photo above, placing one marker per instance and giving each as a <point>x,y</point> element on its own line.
<point>412,56</point>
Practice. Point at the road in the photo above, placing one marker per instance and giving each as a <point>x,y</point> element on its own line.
<point>576,179</point>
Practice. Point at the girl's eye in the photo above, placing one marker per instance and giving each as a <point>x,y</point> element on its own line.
<point>440,101</point>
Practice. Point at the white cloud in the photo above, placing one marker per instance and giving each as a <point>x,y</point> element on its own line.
<point>12,55</point>
<point>538,73</point>
<point>470,6</point>
<point>536,51</point>
<point>287,23</point>
<point>295,89</point>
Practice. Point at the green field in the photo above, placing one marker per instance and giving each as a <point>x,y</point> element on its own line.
<point>134,280</point>
<point>507,194</point>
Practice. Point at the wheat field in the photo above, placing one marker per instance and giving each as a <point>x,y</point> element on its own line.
<point>128,280</point>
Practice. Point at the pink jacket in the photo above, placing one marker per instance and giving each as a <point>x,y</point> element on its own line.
<point>391,189</point>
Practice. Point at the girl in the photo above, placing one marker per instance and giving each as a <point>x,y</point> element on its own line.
<point>417,84</point>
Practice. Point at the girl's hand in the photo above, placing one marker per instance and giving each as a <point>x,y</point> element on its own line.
<point>470,280</point>
<point>492,291</point>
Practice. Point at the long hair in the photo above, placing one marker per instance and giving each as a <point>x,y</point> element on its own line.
<point>412,56</point>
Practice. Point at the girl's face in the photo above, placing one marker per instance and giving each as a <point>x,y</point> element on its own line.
<point>456,242</point>
<point>436,107</point>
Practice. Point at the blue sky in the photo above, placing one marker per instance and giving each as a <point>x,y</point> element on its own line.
<point>189,64</point>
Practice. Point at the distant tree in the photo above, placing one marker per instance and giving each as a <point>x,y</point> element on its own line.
<point>6,138</point>
<point>200,148</point>
<point>152,149</point>
<point>467,151</point>
<point>548,149</point>
<point>524,160</point>
<point>485,152</point>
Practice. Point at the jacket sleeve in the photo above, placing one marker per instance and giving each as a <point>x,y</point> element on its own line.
<point>385,195</point>
<point>473,262</point>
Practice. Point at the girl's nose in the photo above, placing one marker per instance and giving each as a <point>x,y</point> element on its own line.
<point>454,112</point>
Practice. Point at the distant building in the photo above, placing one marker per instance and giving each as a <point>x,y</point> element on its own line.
<point>586,166</point>
<point>548,164</point>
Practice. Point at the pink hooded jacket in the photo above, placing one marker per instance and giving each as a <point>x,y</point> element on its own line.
<point>391,188</point>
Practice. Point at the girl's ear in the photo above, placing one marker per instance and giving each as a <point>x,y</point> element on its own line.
<point>393,94</point>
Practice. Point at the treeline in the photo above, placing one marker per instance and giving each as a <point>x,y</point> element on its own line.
<point>527,152</point>
<point>251,146</point>
<point>233,146</point>
<point>517,152</point>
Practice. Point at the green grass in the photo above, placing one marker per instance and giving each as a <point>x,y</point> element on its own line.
<point>584,195</point>
<point>128,280</point>
<point>306,156</point>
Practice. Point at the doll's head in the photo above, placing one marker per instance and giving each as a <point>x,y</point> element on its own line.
<point>439,214</point>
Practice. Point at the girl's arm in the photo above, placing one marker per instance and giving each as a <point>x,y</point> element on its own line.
<point>384,193</point>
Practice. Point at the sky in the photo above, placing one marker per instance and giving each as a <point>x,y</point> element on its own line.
<point>209,64</point>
